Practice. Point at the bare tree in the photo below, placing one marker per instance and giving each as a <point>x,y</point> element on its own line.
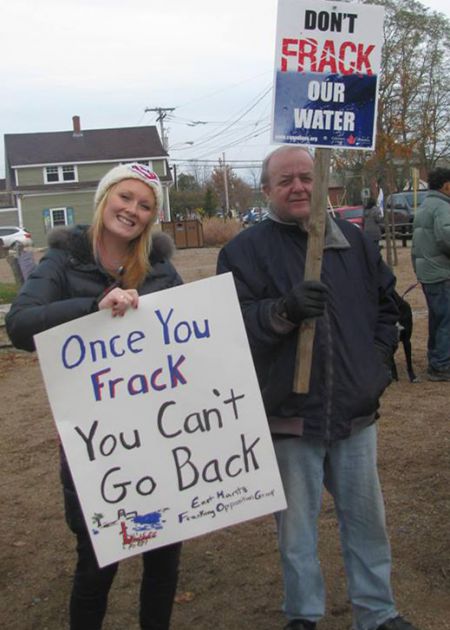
<point>239,192</point>
<point>413,125</point>
<point>200,171</point>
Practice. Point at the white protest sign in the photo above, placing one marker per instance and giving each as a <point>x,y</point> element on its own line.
<point>161,419</point>
<point>327,61</point>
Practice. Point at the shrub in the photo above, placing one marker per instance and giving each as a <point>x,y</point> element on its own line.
<point>7,293</point>
<point>218,232</point>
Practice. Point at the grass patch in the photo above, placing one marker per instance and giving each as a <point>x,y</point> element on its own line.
<point>218,232</point>
<point>7,292</point>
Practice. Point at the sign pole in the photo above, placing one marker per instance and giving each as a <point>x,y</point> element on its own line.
<point>313,265</point>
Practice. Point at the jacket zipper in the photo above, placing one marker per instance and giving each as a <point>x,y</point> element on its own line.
<point>329,378</point>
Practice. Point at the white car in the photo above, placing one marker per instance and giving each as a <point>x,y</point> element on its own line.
<point>12,236</point>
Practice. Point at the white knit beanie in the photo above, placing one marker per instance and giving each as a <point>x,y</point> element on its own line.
<point>130,171</point>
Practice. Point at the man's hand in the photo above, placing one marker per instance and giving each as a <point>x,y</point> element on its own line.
<point>387,358</point>
<point>305,300</point>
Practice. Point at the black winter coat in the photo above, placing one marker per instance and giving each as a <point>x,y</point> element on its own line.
<point>67,282</point>
<point>359,326</point>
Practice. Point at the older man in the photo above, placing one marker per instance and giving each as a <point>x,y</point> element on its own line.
<point>328,436</point>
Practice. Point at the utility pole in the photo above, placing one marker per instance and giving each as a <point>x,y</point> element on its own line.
<point>175,176</point>
<point>225,185</point>
<point>162,113</point>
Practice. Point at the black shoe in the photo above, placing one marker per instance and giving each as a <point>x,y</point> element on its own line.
<point>300,624</point>
<point>438,375</point>
<point>398,623</point>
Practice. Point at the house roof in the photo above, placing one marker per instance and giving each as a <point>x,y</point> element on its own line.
<point>89,145</point>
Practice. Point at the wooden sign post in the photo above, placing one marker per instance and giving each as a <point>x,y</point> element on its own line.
<point>313,265</point>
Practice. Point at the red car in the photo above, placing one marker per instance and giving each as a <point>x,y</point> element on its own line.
<point>354,214</point>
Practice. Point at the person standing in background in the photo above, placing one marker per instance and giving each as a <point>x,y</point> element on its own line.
<point>372,221</point>
<point>431,261</point>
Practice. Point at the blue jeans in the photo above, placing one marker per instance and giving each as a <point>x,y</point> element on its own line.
<point>348,470</point>
<point>438,300</point>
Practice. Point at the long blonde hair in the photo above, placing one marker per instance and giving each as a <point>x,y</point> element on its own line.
<point>136,265</point>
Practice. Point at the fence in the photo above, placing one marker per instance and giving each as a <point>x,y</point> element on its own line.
<point>184,233</point>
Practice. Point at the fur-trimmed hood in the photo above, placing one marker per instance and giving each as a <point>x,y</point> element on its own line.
<point>76,241</point>
<point>67,283</point>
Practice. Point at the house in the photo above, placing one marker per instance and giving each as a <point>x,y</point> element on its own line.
<point>52,176</point>
<point>8,213</point>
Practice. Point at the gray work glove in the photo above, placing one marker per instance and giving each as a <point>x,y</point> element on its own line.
<point>305,300</point>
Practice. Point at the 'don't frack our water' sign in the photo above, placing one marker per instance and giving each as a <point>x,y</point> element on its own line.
<point>161,419</point>
<point>327,63</point>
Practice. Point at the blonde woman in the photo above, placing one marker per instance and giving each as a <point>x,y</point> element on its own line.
<point>104,266</point>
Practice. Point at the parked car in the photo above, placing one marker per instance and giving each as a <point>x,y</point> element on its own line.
<point>400,210</point>
<point>255,215</point>
<point>354,214</point>
<point>12,236</point>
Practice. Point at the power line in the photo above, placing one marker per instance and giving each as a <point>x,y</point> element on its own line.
<point>192,123</point>
<point>237,141</point>
<point>208,139</point>
<point>234,132</point>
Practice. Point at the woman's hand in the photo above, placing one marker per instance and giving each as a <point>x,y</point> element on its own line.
<point>119,301</point>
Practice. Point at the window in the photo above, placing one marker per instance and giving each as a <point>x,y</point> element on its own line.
<point>58,174</point>
<point>58,216</point>
<point>68,173</point>
<point>54,217</point>
<point>7,231</point>
<point>52,174</point>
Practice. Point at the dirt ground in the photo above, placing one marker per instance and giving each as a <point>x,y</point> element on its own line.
<point>230,579</point>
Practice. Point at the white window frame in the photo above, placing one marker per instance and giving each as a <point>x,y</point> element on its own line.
<point>52,221</point>
<point>60,173</point>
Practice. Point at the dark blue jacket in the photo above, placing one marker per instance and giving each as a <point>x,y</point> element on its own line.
<point>67,282</point>
<point>358,329</point>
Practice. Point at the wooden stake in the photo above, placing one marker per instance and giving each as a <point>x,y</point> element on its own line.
<point>313,265</point>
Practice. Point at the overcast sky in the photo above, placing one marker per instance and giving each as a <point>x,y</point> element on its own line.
<point>109,60</point>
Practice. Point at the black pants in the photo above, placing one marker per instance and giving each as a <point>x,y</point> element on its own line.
<point>91,584</point>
